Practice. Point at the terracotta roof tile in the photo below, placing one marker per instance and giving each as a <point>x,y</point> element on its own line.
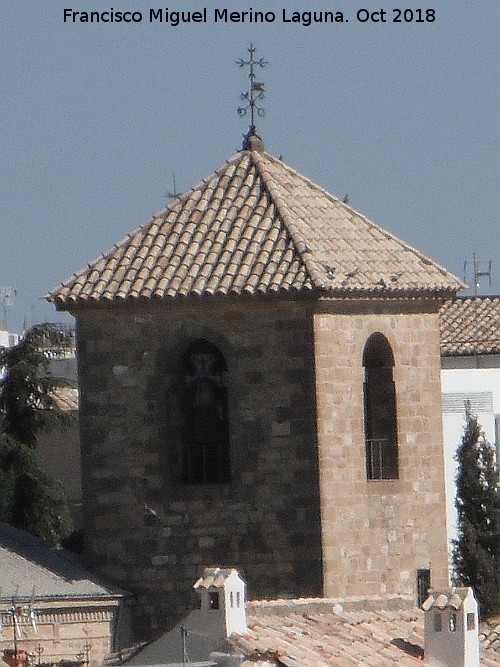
<point>470,325</point>
<point>313,633</point>
<point>214,576</point>
<point>319,632</point>
<point>255,226</point>
<point>66,398</point>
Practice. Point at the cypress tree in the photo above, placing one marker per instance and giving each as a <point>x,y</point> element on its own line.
<point>476,555</point>
<point>29,499</point>
<point>27,404</point>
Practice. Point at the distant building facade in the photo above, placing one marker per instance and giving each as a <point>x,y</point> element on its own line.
<point>7,338</point>
<point>470,371</point>
<point>260,387</point>
<point>56,610</point>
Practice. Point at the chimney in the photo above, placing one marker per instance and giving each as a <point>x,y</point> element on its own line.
<point>451,626</point>
<point>222,593</point>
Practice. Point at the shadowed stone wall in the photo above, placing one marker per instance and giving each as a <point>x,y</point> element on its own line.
<point>266,521</point>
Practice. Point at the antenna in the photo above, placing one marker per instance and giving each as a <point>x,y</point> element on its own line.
<point>7,295</point>
<point>477,272</point>
<point>174,194</point>
<point>20,614</point>
<point>184,634</point>
<point>256,92</point>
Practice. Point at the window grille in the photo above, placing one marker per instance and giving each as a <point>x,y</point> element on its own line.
<point>381,462</point>
<point>423,585</point>
<point>480,401</point>
<point>381,441</point>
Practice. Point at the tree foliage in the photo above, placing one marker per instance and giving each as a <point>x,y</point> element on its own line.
<point>29,499</point>
<point>476,556</point>
<point>27,389</point>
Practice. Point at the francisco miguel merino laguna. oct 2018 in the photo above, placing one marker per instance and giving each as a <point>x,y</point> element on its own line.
<point>217,15</point>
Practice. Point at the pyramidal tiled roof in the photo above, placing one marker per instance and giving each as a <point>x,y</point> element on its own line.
<point>255,226</point>
<point>470,325</point>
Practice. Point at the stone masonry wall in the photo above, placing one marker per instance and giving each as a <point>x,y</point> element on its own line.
<point>267,521</point>
<point>295,391</point>
<point>376,533</point>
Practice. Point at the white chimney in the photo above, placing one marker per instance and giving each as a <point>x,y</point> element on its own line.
<point>223,599</point>
<point>451,628</point>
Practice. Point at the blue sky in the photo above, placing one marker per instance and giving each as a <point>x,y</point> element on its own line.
<point>96,118</point>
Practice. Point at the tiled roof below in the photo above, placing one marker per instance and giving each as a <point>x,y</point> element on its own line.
<point>66,398</point>
<point>321,634</point>
<point>470,325</point>
<point>326,633</point>
<point>489,636</point>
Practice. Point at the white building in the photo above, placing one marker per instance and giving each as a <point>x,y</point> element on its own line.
<point>7,338</point>
<point>52,605</point>
<point>470,362</point>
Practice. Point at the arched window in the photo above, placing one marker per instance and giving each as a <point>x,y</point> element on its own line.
<point>206,432</point>
<point>381,435</point>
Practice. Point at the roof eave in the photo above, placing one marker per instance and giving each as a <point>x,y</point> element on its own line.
<point>437,293</point>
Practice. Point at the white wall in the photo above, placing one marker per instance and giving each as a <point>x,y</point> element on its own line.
<point>8,339</point>
<point>456,642</point>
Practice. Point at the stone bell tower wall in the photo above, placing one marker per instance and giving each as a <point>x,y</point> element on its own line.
<point>299,517</point>
<point>378,532</point>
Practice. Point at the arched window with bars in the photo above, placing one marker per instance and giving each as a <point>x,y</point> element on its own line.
<point>381,433</point>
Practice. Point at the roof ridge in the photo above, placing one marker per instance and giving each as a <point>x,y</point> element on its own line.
<point>299,243</point>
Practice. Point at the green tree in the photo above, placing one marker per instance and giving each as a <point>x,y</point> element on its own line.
<point>476,556</point>
<point>27,389</point>
<point>29,499</point>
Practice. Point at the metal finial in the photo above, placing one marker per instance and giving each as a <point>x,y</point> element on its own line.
<point>256,92</point>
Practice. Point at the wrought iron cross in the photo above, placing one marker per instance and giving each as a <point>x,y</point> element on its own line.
<point>256,92</point>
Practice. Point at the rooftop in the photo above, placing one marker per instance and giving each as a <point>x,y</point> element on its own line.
<point>379,631</point>
<point>27,562</point>
<point>326,633</point>
<point>470,325</point>
<point>214,576</point>
<point>255,226</point>
<point>66,398</point>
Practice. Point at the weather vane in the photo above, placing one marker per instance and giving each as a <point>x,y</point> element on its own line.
<point>256,93</point>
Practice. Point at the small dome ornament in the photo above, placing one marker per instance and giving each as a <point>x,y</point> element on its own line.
<point>253,142</point>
